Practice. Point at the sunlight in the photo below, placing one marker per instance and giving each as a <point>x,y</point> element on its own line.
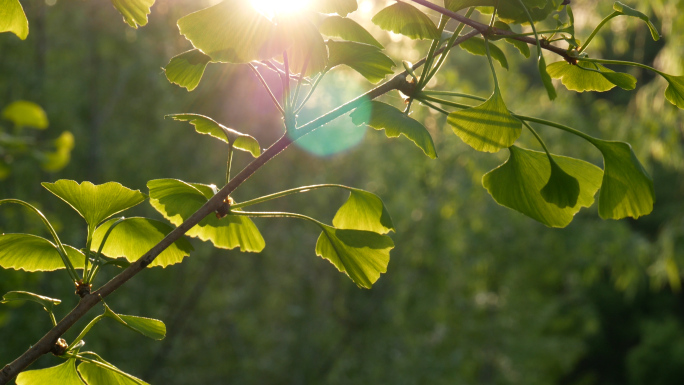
<point>273,7</point>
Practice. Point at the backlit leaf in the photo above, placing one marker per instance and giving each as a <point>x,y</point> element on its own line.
<point>208,126</point>
<point>523,47</point>
<point>488,127</point>
<point>576,78</point>
<point>382,116</point>
<point>407,20</point>
<point>133,237</point>
<point>58,159</point>
<point>363,211</point>
<point>149,327</point>
<point>628,11</point>
<point>340,7</point>
<point>95,203</point>
<point>186,69</point>
<point>675,90</point>
<point>44,301</point>
<point>134,11</point>
<point>509,10</point>
<point>26,114</point>
<point>97,375</point>
<point>517,184</point>
<point>64,374</point>
<point>476,46</point>
<point>362,255</point>
<point>365,59</point>
<point>546,78</point>
<point>13,19</point>
<point>347,29</point>
<point>305,44</point>
<point>177,200</point>
<point>562,189</point>
<point>33,253</point>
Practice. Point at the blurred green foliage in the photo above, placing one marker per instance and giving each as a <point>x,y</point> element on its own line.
<point>475,293</point>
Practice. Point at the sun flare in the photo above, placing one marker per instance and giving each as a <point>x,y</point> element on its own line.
<point>279,7</point>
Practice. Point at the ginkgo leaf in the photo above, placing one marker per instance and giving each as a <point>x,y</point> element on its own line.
<point>347,29</point>
<point>13,19</point>
<point>58,159</point>
<point>520,45</point>
<point>627,189</point>
<point>382,116</point>
<point>305,44</point>
<point>509,10</point>
<point>208,126</point>
<point>476,46</point>
<point>149,327</point>
<point>562,189</point>
<point>407,20</point>
<point>177,200</point>
<point>64,374</point>
<point>628,11</point>
<point>47,302</point>
<point>232,31</point>
<point>546,78</point>
<point>362,255</point>
<point>488,127</point>
<point>133,237</point>
<point>94,374</point>
<point>26,114</point>
<point>33,253</point>
<point>340,7</point>
<point>363,211</point>
<point>589,77</point>
<point>517,184</point>
<point>134,12</point>
<point>675,90</point>
<point>95,203</point>
<point>186,69</point>
<point>365,59</point>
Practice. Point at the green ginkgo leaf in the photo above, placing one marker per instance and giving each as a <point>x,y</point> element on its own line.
<point>365,59</point>
<point>95,203</point>
<point>628,11</point>
<point>149,327</point>
<point>562,189</point>
<point>134,12</point>
<point>33,253</point>
<point>520,45</point>
<point>232,31</point>
<point>58,159</point>
<point>46,302</point>
<point>347,29</point>
<point>13,19</point>
<point>64,374</point>
<point>476,46</point>
<point>627,189</point>
<point>517,184</point>
<point>382,116</point>
<point>363,211</point>
<point>177,200</point>
<point>362,255</point>
<point>340,7</point>
<point>305,44</point>
<point>407,20</point>
<point>133,237</point>
<point>208,126</point>
<point>675,90</point>
<point>488,127</point>
<point>509,10</point>
<point>589,77</point>
<point>107,374</point>
<point>186,69</point>
<point>26,114</point>
<point>545,77</point>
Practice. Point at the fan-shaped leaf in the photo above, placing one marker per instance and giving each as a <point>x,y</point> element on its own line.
<point>177,200</point>
<point>305,44</point>
<point>517,184</point>
<point>365,59</point>
<point>32,253</point>
<point>149,327</point>
<point>476,46</point>
<point>488,127</point>
<point>134,12</point>
<point>133,237</point>
<point>97,375</point>
<point>64,374</point>
<point>628,11</point>
<point>347,29</point>
<point>95,203</point>
<point>589,77</point>
<point>13,19</point>
<point>340,7</point>
<point>382,116</point>
<point>208,126</point>
<point>407,20</point>
<point>675,90</point>
<point>56,160</point>
<point>186,69</point>
<point>363,211</point>
<point>362,255</point>
<point>42,300</point>
<point>509,10</point>
<point>520,45</point>
<point>26,114</point>
<point>562,189</point>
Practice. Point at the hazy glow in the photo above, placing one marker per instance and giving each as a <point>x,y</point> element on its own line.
<point>273,7</point>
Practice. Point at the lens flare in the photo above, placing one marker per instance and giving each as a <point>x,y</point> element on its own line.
<point>279,7</point>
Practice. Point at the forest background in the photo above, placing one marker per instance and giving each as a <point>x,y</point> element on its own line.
<point>474,294</point>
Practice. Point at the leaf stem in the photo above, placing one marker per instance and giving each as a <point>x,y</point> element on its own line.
<point>268,89</point>
<point>595,31</point>
<point>286,83</point>
<point>229,162</point>
<point>284,193</point>
<point>431,53</point>
<point>621,62</point>
<point>447,50</point>
<point>311,91</point>
<point>91,277</point>
<point>276,214</point>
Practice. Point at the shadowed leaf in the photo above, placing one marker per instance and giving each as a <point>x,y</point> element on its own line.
<point>347,29</point>
<point>186,69</point>
<point>589,77</point>
<point>208,126</point>
<point>13,19</point>
<point>562,189</point>
<point>407,20</point>
<point>628,11</point>
<point>42,300</point>
<point>509,10</point>
<point>523,47</point>
<point>149,327</point>
<point>675,90</point>
<point>476,46</point>
<point>365,59</point>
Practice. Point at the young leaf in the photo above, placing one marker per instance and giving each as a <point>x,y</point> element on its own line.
<point>33,253</point>
<point>149,327</point>
<point>340,7</point>
<point>407,20</point>
<point>305,44</point>
<point>133,237</point>
<point>98,375</point>
<point>675,90</point>
<point>476,46</point>
<point>627,11</point>
<point>347,29</point>
<point>233,32</point>
<point>363,211</point>
<point>95,203</point>
<point>562,189</point>
<point>64,374</point>
<point>383,116</point>
<point>56,160</point>
<point>42,300</point>
<point>134,12</point>
<point>13,19</point>
<point>186,69</point>
<point>362,255</point>
<point>627,189</point>
<point>546,79</point>
<point>177,200</point>
<point>520,45</point>
<point>575,78</point>
<point>517,183</point>
<point>488,127</point>
<point>26,114</point>
<point>208,126</point>
<point>365,59</point>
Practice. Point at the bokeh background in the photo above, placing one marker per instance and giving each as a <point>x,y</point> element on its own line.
<point>474,294</point>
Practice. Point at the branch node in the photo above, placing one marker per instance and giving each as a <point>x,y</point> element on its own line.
<point>83,289</point>
<point>60,347</point>
<point>224,209</point>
